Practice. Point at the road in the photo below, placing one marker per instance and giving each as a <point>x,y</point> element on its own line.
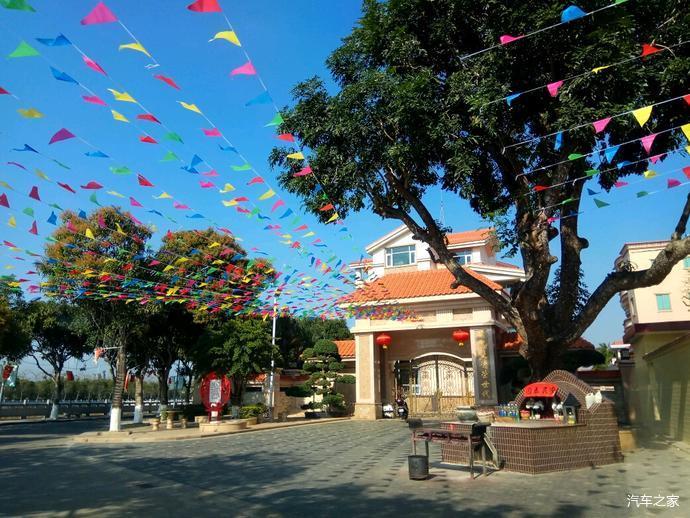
<point>340,469</point>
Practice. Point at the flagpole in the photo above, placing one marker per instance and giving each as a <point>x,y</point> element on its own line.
<point>273,363</point>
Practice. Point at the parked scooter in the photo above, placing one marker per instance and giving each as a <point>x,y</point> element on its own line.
<point>403,411</point>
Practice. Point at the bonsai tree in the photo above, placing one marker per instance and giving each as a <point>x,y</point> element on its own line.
<point>324,365</point>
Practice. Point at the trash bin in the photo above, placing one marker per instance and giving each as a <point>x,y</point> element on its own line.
<point>418,466</point>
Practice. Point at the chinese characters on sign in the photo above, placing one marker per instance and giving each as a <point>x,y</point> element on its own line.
<point>481,351</point>
<point>653,501</point>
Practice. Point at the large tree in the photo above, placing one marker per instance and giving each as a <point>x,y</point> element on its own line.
<point>411,112</point>
<point>15,340</point>
<point>56,337</point>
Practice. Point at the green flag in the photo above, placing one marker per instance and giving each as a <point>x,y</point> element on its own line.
<point>19,5</point>
<point>120,170</point>
<point>169,157</point>
<point>174,137</point>
<point>600,204</point>
<point>642,194</point>
<point>29,211</point>
<point>275,121</point>
<point>94,199</point>
<point>24,50</point>
<point>245,167</point>
<point>575,156</point>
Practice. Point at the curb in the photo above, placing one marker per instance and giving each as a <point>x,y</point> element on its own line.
<point>129,438</point>
<point>12,422</point>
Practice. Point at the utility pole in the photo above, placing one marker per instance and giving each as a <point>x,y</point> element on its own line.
<point>271,401</point>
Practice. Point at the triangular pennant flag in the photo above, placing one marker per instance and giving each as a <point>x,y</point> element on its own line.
<point>559,141</point>
<point>591,192</point>
<point>642,194</point>
<point>685,128</point>
<point>4,202</point>
<point>571,13</point>
<point>52,219</point>
<point>686,172</point>
<point>247,69</point>
<point>601,124</point>
<point>654,159</point>
<point>167,80</point>
<point>93,65</point>
<point>94,199</point>
<point>255,180</point>
<point>122,96</point>
<point>96,154</point>
<point>286,137</point>
<point>174,137</point>
<point>24,50</point>
<point>333,218</point>
<point>647,142</point>
<point>268,194</point>
<point>304,171</point>
<point>620,184</point>
<point>134,203</point>
<point>190,107</point>
<point>148,139</point>
<point>34,229</point>
<point>135,46</point>
<point>148,117</point>
<point>279,203</point>
<point>93,99</point>
<point>62,134</point>
<point>575,156</point>
<point>59,41</point>
<point>227,188</point>
<point>244,167</point>
<point>30,113</point>
<point>99,14</point>
<point>34,193</point>
<point>296,156</point>
<point>600,204</point>
<point>553,88</point>
<point>66,187</point>
<point>511,98</point>
<point>143,181</point>
<point>89,233</point>
<point>205,6</point>
<point>92,185</point>
<point>262,98</point>
<point>649,174</point>
<point>169,157</point>
<point>62,76</point>
<point>328,206</point>
<point>275,121</point>
<point>228,36</point>
<point>115,193</point>
<point>212,132</point>
<point>205,184</point>
<point>649,49</point>
<point>12,222</point>
<point>642,115</point>
<point>28,211</point>
<point>163,196</point>
<point>19,5</point>
<point>118,116</point>
<point>286,214</point>
<point>672,182</point>
<point>610,152</point>
<point>507,38</point>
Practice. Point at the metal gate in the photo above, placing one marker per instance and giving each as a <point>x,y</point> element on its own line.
<point>438,385</point>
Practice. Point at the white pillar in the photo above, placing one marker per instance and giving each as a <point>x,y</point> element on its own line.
<point>138,414</point>
<point>367,370</point>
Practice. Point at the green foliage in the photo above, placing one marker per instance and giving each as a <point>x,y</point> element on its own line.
<point>608,354</point>
<point>256,410</point>
<point>15,340</point>
<point>348,379</point>
<point>323,363</point>
<point>297,334</point>
<point>299,391</point>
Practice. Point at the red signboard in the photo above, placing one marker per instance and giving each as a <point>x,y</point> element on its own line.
<point>540,389</point>
<point>215,392</point>
<point>7,371</point>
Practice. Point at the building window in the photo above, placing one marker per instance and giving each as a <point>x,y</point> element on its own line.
<point>464,257</point>
<point>686,262</point>
<point>663,302</point>
<point>400,255</point>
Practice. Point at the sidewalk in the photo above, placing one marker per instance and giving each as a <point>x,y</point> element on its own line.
<point>143,433</point>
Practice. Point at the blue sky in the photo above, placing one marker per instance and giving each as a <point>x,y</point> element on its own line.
<point>287,42</point>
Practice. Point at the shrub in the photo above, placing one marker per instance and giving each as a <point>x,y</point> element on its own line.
<point>249,411</point>
<point>191,411</point>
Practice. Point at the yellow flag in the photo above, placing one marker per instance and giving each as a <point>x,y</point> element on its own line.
<point>268,194</point>
<point>163,196</point>
<point>686,131</point>
<point>215,244</point>
<point>286,236</point>
<point>168,268</point>
<point>6,185</point>
<point>190,107</point>
<point>228,36</point>
<point>230,203</point>
<point>642,115</point>
<point>181,260</point>
<point>122,96</point>
<point>296,156</point>
<point>118,116</point>
<point>115,193</point>
<point>30,113</point>
<point>89,234</point>
<point>119,229</point>
<point>649,174</point>
<point>217,261</point>
<point>42,175</point>
<point>227,188</point>
<point>135,46</point>
<point>599,69</point>
<point>333,218</point>
<point>309,234</point>
<point>12,222</point>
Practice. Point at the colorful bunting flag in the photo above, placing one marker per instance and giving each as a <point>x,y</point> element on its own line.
<point>62,76</point>
<point>227,188</point>
<point>553,88</point>
<point>190,107</point>
<point>30,113</point>
<point>59,41</point>
<point>12,222</point>
<point>600,204</point>
<point>647,142</point>
<point>268,194</point>
<point>571,13</point>
<point>286,137</point>
<point>24,50</point>
<point>511,98</point>
<point>685,128</point>
<point>211,132</point>
<point>92,185</point>
<point>649,49</point>
<point>559,141</point>
<point>122,96</point>
<point>228,36</point>
<point>642,115</point>
<point>304,171</point>
<point>247,69</point>
<point>34,193</point>
<point>143,181</point>
<point>62,134</point>
<point>148,117</point>
<point>93,100</point>
<point>19,5</point>
<point>99,14</point>
<point>262,98</point>
<point>135,46</point>
<point>275,121</point>
<point>93,65</point>
<point>205,6</point>
<point>134,203</point>
<point>672,182</point>
<point>148,139</point>
<point>118,116</point>
<point>296,156</point>
<point>507,38</point>
<point>244,167</point>
<point>168,80</point>
<point>601,124</point>
<point>89,233</point>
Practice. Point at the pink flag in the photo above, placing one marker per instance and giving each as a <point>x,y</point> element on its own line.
<point>5,92</point>
<point>180,206</point>
<point>279,203</point>
<point>67,187</point>
<point>100,14</point>
<point>148,117</point>
<point>620,184</point>
<point>134,203</point>
<point>300,228</point>
<point>507,38</point>
<point>212,172</point>
<point>92,185</point>
<point>647,142</point>
<point>4,202</point>
<point>553,88</point>
<point>34,229</point>
<point>672,182</point>
<point>247,69</point>
<point>242,210</point>
<point>206,185</point>
<point>93,99</point>
<point>601,124</point>
<point>62,134</point>
<point>304,172</point>
<point>34,193</point>
<point>213,132</point>
<point>205,6</point>
<point>101,221</point>
<point>255,180</point>
<point>93,65</point>
<point>167,80</point>
<point>654,159</point>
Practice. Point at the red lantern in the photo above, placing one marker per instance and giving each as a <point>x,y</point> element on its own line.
<point>69,375</point>
<point>383,340</point>
<point>461,336</point>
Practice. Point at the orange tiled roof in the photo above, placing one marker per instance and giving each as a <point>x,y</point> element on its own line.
<point>405,285</point>
<point>469,236</point>
<point>346,348</point>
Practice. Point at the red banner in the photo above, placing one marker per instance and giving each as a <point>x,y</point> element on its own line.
<point>540,389</point>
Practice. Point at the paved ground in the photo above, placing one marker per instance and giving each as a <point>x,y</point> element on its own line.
<point>338,469</point>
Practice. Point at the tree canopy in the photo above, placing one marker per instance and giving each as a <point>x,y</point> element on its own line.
<point>416,106</point>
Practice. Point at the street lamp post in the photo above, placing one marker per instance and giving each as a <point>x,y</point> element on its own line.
<point>271,401</point>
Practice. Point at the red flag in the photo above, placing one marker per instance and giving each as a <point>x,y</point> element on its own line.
<point>147,139</point>
<point>67,187</point>
<point>328,206</point>
<point>686,172</point>
<point>648,50</point>
<point>686,98</point>
<point>672,182</point>
<point>93,99</point>
<point>34,193</point>
<point>34,228</point>
<point>167,80</point>
<point>148,117</point>
<point>3,200</point>
<point>205,6</point>
<point>143,181</point>
<point>286,137</point>
<point>3,91</point>
<point>255,180</point>
<point>92,185</point>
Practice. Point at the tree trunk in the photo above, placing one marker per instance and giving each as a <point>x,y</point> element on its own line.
<point>238,386</point>
<point>138,398</point>
<point>58,389</point>
<point>116,407</point>
<point>162,376</point>
<point>188,389</point>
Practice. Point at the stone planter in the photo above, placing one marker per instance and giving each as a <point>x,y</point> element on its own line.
<point>217,427</point>
<point>183,422</point>
<point>155,424</point>
<point>200,419</point>
<point>251,421</point>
